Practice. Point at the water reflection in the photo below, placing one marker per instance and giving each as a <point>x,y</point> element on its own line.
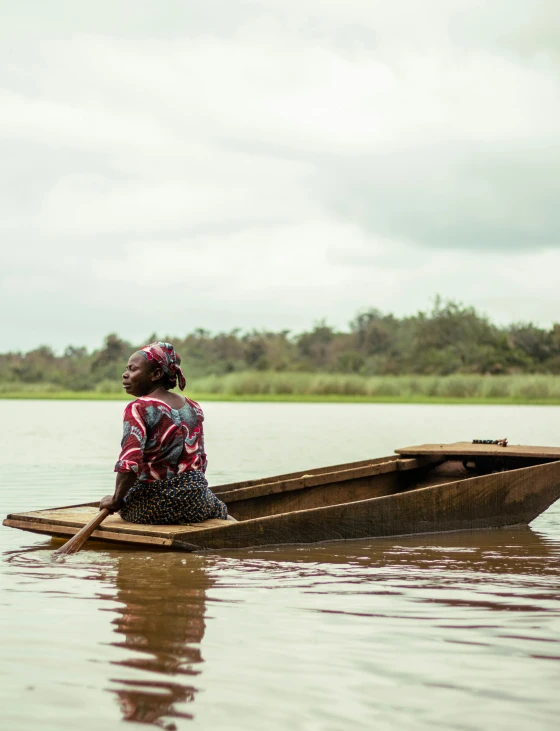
<point>519,551</point>
<point>323,619</point>
<point>160,625</point>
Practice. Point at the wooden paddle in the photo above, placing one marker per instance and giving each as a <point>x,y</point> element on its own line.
<point>77,541</point>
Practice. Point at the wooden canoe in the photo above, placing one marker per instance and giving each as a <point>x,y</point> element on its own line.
<point>431,488</point>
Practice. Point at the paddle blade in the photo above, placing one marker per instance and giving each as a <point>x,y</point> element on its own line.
<point>77,541</point>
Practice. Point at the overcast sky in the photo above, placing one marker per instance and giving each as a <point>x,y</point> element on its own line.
<point>174,164</point>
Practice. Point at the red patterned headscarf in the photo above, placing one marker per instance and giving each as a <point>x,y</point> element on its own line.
<point>165,356</point>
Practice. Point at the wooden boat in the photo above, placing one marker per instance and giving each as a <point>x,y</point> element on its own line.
<point>430,488</point>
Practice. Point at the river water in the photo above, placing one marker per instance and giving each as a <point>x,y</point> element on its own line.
<point>450,631</point>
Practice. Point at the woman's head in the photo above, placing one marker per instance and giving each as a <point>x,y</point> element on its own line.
<point>153,366</point>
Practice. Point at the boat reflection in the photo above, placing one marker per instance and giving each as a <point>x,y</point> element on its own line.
<point>516,551</point>
<point>160,625</point>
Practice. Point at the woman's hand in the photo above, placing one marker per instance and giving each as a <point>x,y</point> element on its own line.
<point>125,480</point>
<point>110,503</point>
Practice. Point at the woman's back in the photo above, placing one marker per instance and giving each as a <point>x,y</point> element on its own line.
<point>160,441</point>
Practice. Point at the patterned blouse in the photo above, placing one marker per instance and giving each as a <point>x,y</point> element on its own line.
<point>160,442</point>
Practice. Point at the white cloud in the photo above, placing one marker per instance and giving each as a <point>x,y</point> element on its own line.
<point>274,162</point>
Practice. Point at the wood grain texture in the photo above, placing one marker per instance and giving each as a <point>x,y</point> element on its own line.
<point>305,481</point>
<point>467,449</point>
<point>68,521</point>
<point>79,515</point>
<point>328,488</point>
<point>220,489</point>
<point>489,501</point>
<point>315,496</point>
<point>64,531</point>
<point>383,497</point>
<point>256,500</point>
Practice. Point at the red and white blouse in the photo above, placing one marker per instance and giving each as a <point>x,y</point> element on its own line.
<point>160,442</point>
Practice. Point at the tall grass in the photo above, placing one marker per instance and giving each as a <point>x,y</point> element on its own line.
<point>11,387</point>
<point>519,388</point>
<point>263,385</point>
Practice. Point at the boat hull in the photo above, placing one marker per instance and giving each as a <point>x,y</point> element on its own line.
<point>491,501</point>
<point>501,499</point>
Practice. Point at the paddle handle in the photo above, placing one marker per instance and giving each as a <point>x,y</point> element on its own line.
<point>77,541</point>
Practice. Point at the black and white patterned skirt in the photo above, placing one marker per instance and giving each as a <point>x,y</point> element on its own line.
<point>185,498</point>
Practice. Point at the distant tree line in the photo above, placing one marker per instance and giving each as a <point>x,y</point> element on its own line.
<point>451,338</point>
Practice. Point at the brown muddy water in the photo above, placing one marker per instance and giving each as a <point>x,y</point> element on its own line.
<point>450,631</point>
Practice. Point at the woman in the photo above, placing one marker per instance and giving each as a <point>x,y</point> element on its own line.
<point>162,463</point>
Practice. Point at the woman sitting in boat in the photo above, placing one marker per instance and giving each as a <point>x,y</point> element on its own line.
<point>162,463</point>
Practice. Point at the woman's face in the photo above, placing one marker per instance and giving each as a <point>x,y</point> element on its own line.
<point>139,378</point>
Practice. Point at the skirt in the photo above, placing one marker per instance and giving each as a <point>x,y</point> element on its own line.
<point>185,498</point>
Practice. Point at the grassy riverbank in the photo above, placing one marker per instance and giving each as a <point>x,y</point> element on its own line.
<point>315,387</point>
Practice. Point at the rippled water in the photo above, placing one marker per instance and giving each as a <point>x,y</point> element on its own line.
<point>456,631</point>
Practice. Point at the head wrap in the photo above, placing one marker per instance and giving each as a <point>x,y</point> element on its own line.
<point>165,356</point>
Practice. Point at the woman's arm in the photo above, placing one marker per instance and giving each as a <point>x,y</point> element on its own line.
<point>125,480</point>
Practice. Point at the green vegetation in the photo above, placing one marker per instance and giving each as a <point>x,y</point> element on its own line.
<point>450,354</point>
<point>289,386</point>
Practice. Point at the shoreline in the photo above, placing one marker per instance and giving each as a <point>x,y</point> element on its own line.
<point>290,398</point>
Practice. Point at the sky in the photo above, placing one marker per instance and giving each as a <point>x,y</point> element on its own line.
<point>168,165</point>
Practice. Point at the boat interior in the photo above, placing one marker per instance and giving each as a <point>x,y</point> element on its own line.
<point>357,481</point>
<point>411,468</point>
